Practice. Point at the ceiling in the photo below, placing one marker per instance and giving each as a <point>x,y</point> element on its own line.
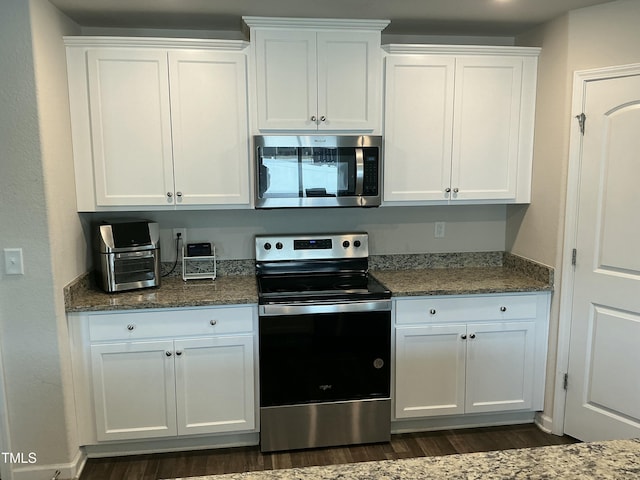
<point>408,17</point>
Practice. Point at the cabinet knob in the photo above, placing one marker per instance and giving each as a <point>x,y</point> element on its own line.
<point>463,336</point>
<point>178,353</point>
<point>323,118</point>
<point>168,353</point>
<point>213,322</point>
<point>131,327</point>
<point>179,194</point>
<point>432,311</point>
<point>313,118</point>
<point>447,190</point>
<point>472,336</point>
<point>169,194</point>
<point>503,309</point>
<point>455,190</point>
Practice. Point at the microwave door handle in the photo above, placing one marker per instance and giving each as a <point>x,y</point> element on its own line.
<point>359,171</point>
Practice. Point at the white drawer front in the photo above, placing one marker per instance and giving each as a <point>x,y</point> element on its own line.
<point>170,323</point>
<point>465,309</point>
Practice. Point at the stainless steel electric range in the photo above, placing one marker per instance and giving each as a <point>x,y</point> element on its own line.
<point>325,342</point>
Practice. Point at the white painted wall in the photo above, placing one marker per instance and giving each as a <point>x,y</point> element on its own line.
<point>35,214</point>
<point>592,37</point>
<point>391,230</point>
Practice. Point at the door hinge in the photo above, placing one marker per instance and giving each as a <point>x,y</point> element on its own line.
<point>574,256</point>
<point>565,381</point>
<point>582,118</point>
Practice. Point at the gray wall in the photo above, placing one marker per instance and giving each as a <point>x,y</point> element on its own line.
<point>593,37</point>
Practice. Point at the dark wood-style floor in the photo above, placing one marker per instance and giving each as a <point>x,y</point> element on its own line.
<point>242,459</point>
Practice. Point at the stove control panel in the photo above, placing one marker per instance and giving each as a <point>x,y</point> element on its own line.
<point>312,247</point>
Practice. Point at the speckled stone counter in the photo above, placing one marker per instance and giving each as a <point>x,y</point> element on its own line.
<point>173,292</point>
<point>460,274</point>
<point>404,275</point>
<point>614,460</point>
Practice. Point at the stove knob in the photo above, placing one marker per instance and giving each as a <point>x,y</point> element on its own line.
<point>279,246</point>
<point>357,243</point>
<point>267,246</point>
<point>346,244</point>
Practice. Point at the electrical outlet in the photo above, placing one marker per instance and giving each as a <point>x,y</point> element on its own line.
<point>13,263</point>
<point>439,230</point>
<point>183,235</point>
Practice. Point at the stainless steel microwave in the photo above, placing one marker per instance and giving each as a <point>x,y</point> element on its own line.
<point>318,171</point>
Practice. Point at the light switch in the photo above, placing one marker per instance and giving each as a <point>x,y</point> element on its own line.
<point>13,264</point>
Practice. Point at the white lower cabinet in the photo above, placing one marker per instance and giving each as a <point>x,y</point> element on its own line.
<point>470,354</point>
<point>157,374</point>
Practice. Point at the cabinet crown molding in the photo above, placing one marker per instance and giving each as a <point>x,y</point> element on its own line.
<point>154,42</point>
<point>316,23</point>
<point>424,49</point>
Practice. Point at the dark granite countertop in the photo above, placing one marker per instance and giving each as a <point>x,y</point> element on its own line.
<point>458,281</point>
<point>173,292</point>
<point>404,275</point>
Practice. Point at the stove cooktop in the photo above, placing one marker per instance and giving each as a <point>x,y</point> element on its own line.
<point>306,288</point>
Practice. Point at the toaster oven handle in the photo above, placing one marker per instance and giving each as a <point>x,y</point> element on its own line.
<point>359,171</point>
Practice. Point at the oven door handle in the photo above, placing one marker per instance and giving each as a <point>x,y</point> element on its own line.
<point>316,308</point>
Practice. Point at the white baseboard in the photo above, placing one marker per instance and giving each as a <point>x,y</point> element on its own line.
<point>68,471</point>
<point>544,422</point>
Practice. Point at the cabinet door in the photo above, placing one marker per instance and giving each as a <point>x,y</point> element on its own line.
<point>430,371</point>
<point>349,96</point>
<point>210,129</point>
<point>500,367</point>
<point>215,384</point>
<point>286,79</point>
<point>134,390</point>
<point>486,128</point>
<point>418,127</point>
<point>130,126</point>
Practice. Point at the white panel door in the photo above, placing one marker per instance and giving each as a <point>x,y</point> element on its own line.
<point>500,367</point>
<point>430,371</point>
<point>215,384</point>
<point>130,126</point>
<point>134,390</point>
<point>287,79</point>
<point>603,396</point>
<point>486,128</point>
<point>349,96</point>
<point>210,128</point>
<point>418,127</point>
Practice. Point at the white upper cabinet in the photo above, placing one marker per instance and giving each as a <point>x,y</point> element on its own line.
<point>159,124</point>
<point>459,124</point>
<point>319,74</point>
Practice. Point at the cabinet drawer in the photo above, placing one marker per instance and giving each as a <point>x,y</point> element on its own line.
<point>465,309</point>
<point>170,323</point>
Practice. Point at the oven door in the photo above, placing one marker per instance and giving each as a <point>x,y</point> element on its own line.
<point>324,357</point>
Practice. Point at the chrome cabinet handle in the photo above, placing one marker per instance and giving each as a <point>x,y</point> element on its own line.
<point>455,190</point>
<point>432,311</point>
<point>179,194</point>
<point>463,336</point>
<point>447,190</point>
<point>213,322</point>
<point>169,194</point>
<point>323,118</point>
<point>472,336</point>
<point>178,353</point>
<point>168,353</point>
<point>313,118</point>
<point>503,309</point>
<point>131,327</point>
